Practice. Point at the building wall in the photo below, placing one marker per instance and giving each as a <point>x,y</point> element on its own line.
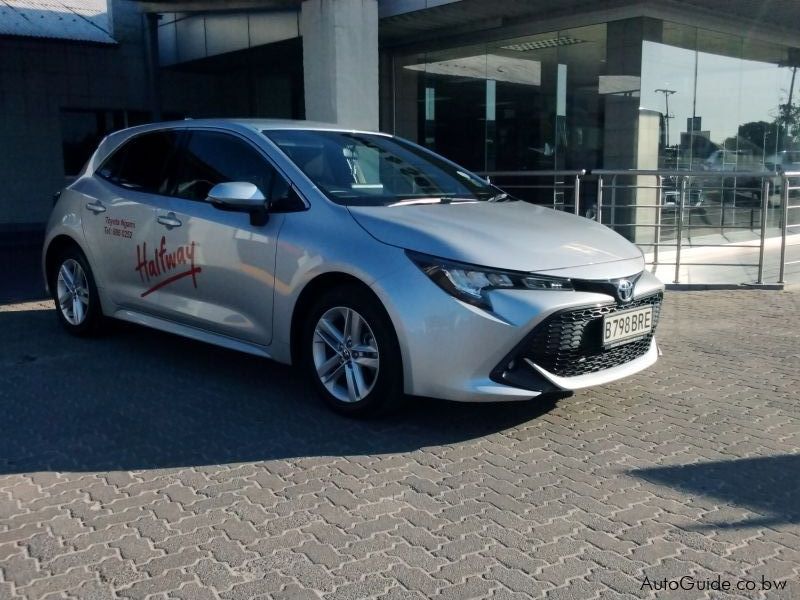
<point>37,79</point>
<point>265,81</point>
<point>41,78</point>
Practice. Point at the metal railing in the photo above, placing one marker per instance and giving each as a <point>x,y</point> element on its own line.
<point>787,208</point>
<point>682,205</point>
<point>563,182</point>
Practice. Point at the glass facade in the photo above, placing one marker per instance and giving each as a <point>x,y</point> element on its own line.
<point>548,101</point>
<point>727,97</point>
<point>638,93</point>
<point>527,103</point>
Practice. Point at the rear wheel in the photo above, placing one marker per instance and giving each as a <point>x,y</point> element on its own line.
<point>75,293</point>
<point>351,353</point>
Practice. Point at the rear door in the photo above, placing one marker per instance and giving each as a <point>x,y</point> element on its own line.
<point>121,221</point>
<point>232,264</point>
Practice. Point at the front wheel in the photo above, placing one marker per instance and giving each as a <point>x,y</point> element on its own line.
<point>351,353</point>
<point>75,293</point>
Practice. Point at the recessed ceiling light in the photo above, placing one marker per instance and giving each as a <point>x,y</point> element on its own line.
<point>541,44</point>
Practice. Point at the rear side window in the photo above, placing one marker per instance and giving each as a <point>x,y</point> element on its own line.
<point>142,163</point>
<point>210,158</point>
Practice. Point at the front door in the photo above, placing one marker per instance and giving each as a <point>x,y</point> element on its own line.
<point>218,267</point>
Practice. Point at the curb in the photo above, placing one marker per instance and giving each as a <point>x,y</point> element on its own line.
<point>697,287</point>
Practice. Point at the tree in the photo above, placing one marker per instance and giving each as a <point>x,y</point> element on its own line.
<point>789,121</point>
<point>760,134</point>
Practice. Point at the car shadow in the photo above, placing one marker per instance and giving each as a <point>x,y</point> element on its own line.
<point>22,262</point>
<point>135,398</point>
<point>768,486</point>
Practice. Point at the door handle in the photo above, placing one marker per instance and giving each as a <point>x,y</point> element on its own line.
<point>96,207</point>
<point>169,220</point>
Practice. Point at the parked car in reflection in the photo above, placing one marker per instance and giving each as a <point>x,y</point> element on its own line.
<point>787,161</point>
<point>784,162</point>
<point>735,177</point>
<point>671,193</point>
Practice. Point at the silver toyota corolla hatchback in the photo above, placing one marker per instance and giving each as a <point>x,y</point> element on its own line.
<point>376,265</point>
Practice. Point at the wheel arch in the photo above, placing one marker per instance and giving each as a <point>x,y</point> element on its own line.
<point>312,290</point>
<point>54,248</point>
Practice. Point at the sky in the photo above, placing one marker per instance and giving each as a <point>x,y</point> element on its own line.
<point>730,91</point>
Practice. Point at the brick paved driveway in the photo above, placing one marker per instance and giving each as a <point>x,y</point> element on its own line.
<point>143,465</point>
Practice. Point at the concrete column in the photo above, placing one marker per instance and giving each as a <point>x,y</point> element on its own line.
<point>630,134</point>
<point>340,61</point>
<point>151,64</point>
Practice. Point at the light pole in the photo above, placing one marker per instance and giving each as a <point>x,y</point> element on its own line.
<point>788,112</point>
<point>793,63</point>
<point>667,93</point>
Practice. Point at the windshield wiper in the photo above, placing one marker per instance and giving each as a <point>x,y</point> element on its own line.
<point>430,200</point>
<point>498,197</point>
<point>501,197</point>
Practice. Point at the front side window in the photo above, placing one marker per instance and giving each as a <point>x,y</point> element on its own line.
<point>142,163</point>
<point>211,158</point>
<point>375,170</point>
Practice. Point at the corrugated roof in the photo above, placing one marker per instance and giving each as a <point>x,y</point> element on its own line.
<point>80,20</point>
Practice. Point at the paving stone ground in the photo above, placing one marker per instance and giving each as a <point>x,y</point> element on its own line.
<point>141,465</point>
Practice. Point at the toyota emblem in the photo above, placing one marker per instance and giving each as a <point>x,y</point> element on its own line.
<point>625,290</point>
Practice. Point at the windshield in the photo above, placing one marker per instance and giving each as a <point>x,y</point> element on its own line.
<point>363,169</point>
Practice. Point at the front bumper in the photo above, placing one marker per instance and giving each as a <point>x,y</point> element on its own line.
<point>566,347</point>
<point>455,351</point>
<point>577,382</point>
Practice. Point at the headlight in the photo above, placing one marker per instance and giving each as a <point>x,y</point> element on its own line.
<point>470,282</point>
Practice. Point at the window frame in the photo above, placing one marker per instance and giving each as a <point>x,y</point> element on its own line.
<point>187,133</point>
<point>180,163</point>
<point>175,163</point>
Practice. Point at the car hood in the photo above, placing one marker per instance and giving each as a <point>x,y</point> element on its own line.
<point>505,235</point>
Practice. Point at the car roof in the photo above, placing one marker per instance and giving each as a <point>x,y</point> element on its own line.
<point>116,139</point>
<point>255,124</point>
<point>264,124</point>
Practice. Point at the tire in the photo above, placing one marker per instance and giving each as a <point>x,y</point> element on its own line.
<point>355,377</point>
<point>74,292</point>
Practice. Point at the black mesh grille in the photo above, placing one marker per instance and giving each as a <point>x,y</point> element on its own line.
<point>569,343</point>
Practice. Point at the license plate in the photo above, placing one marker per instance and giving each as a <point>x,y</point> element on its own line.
<point>627,325</point>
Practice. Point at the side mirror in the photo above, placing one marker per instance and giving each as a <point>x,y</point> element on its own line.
<point>237,195</point>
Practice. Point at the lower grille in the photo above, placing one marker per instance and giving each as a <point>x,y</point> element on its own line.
<point>569,343</point>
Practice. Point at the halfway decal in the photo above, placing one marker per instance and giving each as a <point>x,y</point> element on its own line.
<point>164,262</point>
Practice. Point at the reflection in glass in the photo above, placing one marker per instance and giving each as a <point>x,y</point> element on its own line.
<point>638,93</point>
<point>528,103</point>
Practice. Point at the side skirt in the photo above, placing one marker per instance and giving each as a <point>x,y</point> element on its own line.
<point>190,332</point>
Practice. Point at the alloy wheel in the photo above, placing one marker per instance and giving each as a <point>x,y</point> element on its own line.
<point>73,292</point>
<point>345,353</point>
